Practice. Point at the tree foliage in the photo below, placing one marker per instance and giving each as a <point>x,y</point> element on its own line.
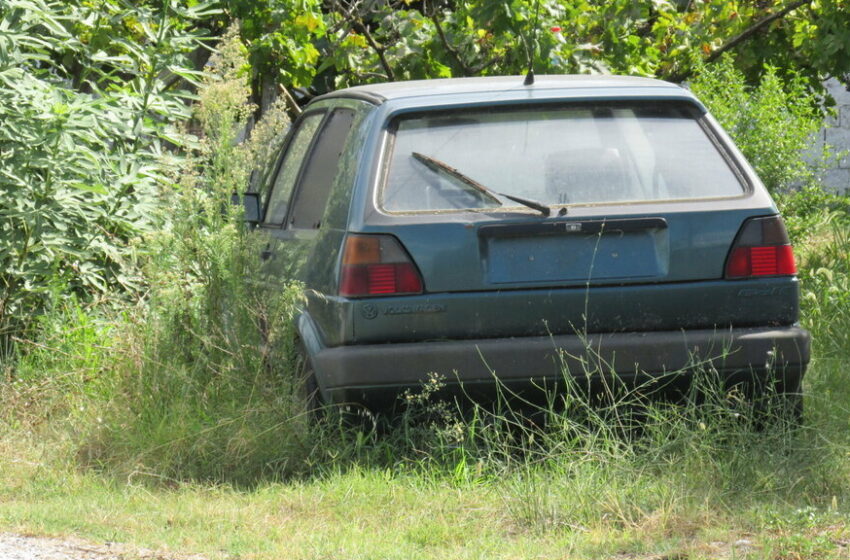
<point>772,122</point>
<point>85,114</point>
<point>347,42</point>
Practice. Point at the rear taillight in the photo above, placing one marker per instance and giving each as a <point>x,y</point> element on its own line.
<point>762,248</point>
<point>377,265</point>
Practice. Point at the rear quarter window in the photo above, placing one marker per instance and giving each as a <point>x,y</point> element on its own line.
<point>321,168</point>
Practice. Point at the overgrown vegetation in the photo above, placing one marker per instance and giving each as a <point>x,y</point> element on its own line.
<point>694,481</point>
<point>94,93</point>
<point>339,42</point>
<point>772,123</point>
<point>192,381</point>
<point>156,401</point>
<point>81,166</point>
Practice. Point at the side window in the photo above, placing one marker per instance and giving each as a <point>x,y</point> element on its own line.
<point>321,168</point>
<point>288,173</point>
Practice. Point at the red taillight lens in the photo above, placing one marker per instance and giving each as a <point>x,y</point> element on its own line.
<point>762,248</point>
<point>761,261</point>
<point>376,265</point>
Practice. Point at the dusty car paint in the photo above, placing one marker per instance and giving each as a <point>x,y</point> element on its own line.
<point>501,276</point>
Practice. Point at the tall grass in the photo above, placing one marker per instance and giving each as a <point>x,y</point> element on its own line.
<point>193,381</point>
<point>204,388</point>
<point>825,277</point>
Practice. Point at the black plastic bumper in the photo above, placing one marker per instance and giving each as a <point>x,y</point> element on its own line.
<point>378,373</point>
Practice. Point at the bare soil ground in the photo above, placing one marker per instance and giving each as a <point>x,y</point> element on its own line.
<point>22,547</point>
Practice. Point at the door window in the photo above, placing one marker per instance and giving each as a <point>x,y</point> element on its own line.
<point>288,173</point>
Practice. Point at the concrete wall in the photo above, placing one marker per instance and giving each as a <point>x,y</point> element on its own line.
<point>837,135</point>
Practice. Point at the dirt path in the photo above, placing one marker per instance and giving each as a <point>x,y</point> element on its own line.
<point>20,547</point>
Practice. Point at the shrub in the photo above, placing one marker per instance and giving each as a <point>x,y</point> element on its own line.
<point>84,114</point>
<point>773,122</point>
<point>205,388</point>
<point>193,380</point>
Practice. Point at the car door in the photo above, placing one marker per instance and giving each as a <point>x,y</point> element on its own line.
<point>296,207</point>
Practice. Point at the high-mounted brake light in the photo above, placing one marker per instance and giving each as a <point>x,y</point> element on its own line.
<point>762,248</point>
<point>377,265</point>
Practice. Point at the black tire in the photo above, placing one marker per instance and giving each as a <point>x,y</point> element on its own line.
<point>306,386</point>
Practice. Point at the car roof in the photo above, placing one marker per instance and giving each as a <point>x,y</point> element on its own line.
<point>379,93</point>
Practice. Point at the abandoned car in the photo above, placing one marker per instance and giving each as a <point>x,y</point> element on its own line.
<point>511,235</point>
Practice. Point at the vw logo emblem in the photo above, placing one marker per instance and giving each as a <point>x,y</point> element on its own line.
<point>369,311</point>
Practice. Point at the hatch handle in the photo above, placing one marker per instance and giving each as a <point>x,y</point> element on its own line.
<point>573,227</point>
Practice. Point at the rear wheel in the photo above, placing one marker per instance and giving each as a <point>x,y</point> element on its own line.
<point>306,388</point>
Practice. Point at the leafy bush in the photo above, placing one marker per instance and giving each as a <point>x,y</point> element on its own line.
<point>195,382</point>
<point>773,122</point>
<point>82,152</point>
<point>194,379</point>
<point>204,383</point>
<point>811,209</point>
<point>825,279</point>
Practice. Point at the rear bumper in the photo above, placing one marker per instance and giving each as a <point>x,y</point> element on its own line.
<point>378,373</point>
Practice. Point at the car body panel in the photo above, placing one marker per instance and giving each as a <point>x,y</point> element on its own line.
<point>310,255</point>
<point>505,275</point>
<point>641,307</point>
<point>459,256</point>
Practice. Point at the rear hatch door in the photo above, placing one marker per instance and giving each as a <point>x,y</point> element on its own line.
<point>645,199</point>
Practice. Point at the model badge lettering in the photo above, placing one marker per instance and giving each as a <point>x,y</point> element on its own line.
<point>761,292</point>
<point>417,308</point>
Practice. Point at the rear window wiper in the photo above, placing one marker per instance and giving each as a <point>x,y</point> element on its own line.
<point>442,167</point>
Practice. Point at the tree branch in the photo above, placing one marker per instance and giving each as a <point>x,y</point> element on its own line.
<point>361,27</point>
<point>755,28</point>
<point>451,49</point>
<point>484,65</point>
<point>743,36</point>
<point>455,53</point>
<point>290,100</point>
<point>357,24</point>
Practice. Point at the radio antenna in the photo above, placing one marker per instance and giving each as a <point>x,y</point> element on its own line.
<point>529,77</point>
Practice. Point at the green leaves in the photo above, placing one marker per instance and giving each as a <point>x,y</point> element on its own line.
<point>86,93</point>
<point>282,36</point>
<point>349,43</point>
<point>773,123</point>
<point>61,205</point>
<point>93,93</point>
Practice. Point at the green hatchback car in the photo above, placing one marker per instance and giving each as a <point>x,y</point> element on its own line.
<point>498,233</point>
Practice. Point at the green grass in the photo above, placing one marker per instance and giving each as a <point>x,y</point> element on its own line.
<point>577,509</point>
<point>174,423</point>
<point>159,431</point>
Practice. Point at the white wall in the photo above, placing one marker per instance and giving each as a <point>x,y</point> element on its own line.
<point>837,135</point>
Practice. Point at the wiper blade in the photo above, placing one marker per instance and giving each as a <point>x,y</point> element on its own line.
<point>490,194</point>
<point>442,167</point>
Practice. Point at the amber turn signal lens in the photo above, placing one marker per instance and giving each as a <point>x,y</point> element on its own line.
<point>362,249</point>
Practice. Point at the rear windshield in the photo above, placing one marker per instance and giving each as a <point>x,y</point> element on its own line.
<point>558,156</point>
